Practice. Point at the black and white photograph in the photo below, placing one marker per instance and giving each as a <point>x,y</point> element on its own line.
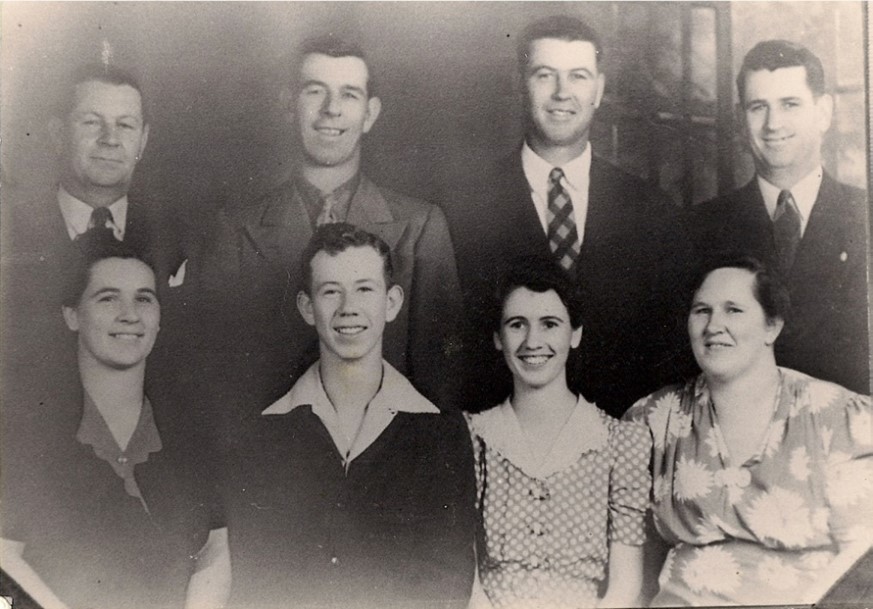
<point>435,305</point>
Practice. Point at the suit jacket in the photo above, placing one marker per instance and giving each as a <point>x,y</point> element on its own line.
<point>825,334</point>
<point>35,252</point>
<point>631,276</point>
<point>246,334</point>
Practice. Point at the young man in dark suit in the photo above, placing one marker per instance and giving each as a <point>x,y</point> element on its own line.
<point>610,230</point>
<point>796,217</point>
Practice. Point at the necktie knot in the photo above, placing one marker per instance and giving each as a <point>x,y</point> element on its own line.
<point>100,217</point>
<point>555,177</point>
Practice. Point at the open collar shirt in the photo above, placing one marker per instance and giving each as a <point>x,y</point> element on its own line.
<point>396,394</point>
<point>576,180</point>
<point>805,192</point>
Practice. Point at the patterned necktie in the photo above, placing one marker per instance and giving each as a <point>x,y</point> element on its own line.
<point>563,238</point>
<point>327,215</point>
<point>786,230</point>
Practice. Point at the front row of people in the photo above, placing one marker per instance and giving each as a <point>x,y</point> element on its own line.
<point>354,490</point>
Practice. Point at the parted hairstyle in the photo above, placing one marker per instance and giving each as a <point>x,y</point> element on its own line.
<point>537,274</point>
<point>337,237</point>
<point>333,46</point>
<point>768,288</point>
<point>774,54</point>
<point>560,27</point>
<point>96,72</point>
<point>85,252</point>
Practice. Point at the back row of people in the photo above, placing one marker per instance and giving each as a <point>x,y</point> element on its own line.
<point>235,343</point>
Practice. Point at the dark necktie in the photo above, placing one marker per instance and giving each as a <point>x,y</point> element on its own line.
<point>100,224</point>
<point>563,238</point>
<point>327,215</point>
<point>786,230</point>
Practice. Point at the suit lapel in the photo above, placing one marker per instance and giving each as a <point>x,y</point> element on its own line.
<point>515,222</point>
<point>370,211</point>
<point>281,227</point>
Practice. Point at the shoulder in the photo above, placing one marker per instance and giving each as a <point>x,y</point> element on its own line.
<point>242,211</point>
<point>848,202</point>
<point>402,207</point>
<point>819,397</point>
<point>655,409</point>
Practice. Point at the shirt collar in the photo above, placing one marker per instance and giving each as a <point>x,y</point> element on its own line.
<point>94,431</point>
<point>585,430</point>
<point>77,214</point>
<point>805,192</point>
<point>312,197</point>
<point>537,170</point>
<point>395,395</point>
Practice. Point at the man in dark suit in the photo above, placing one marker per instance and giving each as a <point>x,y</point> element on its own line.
<point>100,132</point>
<point>796,217</point>
<point>248,280</point>
<point>610,230</point>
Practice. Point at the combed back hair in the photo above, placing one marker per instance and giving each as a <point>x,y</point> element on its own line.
<point>85,252</point>
<point>774,54</point>
<point>768,288</point>
<point>538,274</point>
<point>560,27</point>
<point>338,237</point>
<point>97,72</point>
<point>333,46</point>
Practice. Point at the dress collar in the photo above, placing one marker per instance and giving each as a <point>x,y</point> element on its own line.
<point>585,430</point>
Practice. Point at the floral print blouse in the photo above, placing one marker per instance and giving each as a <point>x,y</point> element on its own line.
<point>758,532</point>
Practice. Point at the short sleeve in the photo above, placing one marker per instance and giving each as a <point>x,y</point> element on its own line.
<point>847,432</point>
<point>630,482</point>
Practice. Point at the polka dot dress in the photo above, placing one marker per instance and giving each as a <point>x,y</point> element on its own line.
<point>544,540</point>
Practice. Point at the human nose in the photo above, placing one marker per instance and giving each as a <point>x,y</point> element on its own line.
<point>773,120</point>
<point>108,134</point>
<point>330,105</point>
<point>561,90</point>
<point>533,338</point>
<point>128,311</point>
<point>714,323</point>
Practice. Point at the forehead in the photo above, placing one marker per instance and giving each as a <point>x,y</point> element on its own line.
<point>94,95</point>
<point>339,71</point>
<point>120,273</point>
<point>524,302</point>
<point>562,54</point>
<point>727,284</point>
<point>352,264</point>
<point>778,83</point>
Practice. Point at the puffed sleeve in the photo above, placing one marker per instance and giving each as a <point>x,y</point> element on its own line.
<point>847,433</point>
<point>630,482</point>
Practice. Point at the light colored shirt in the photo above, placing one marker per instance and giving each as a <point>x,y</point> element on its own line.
<point>805,192</point>
<point>396,394</point>
<point>77,215</point>
<point>576,180</point>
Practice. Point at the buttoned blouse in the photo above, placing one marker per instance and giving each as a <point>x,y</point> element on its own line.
<point>546,527</point>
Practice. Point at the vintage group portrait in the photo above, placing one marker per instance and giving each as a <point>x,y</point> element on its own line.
<point>474,305</point>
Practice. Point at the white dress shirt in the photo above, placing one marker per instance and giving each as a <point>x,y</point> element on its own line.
<point>576,180</point>
<point>805,192</point>
<point>77,215</point>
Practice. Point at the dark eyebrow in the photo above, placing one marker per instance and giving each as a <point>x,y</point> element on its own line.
<point>552,318</point>
<point>312,81</point>
<point>514,318</point>
<point>106,290</point>
<point>354,88</point>
<point>147,291</point>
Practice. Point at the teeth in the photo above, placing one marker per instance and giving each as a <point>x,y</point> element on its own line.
<point>534,360</point>
<point>125,336</point>
<point>327,131</point>
<point>350,330</point>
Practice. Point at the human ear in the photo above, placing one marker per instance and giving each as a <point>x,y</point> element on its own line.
<point>374,107</point>
<point>825,109</point>
<point>576,337</point>
<point>143,141</point>
<point>394,302</point>
<point>774,328</point>
<point>304,305</point>
<point>601,85</point>
<point>71,318</point>
<point>498,344</point>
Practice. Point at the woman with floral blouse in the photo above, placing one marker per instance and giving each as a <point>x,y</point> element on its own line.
<point>763,476</point>
<point>562,486</point>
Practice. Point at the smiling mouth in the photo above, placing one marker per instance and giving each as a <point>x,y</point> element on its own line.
<point>350,330</point>
<point>777,141</point>
<point>560,113</point>
<point>535,361</point>
<point>330,131</point>
<point>126,335</point>
<point>716,345</point>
